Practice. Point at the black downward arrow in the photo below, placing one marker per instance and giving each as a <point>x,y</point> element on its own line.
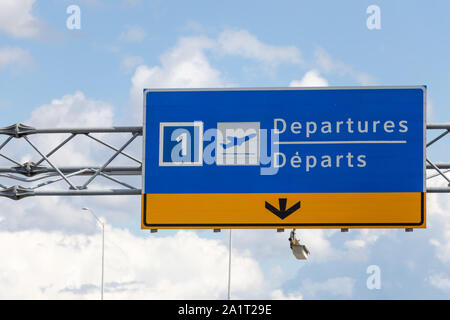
<point>282,212</point>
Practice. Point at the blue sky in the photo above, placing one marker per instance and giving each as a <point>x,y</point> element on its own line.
<point>50,75</point>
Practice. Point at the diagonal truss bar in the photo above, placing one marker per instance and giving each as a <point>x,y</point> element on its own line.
<point>117,181</point>
<point>2,155</point>
<point>438,170</point>
<point>438,137</point>
<point>46,183</point>
<point>56,148</point>
<point>437,174</point>
<point>50,163</point>
<point>438,166</point>
<point>113,148</point>
<point>9,159</point>
<point>109,161</point>
<point>5,142</point>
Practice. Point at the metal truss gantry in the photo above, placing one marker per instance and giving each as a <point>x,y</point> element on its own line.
<point>46,172</point>
<point>442,168</point>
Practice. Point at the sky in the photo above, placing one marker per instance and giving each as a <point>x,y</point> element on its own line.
<point>54,75</point>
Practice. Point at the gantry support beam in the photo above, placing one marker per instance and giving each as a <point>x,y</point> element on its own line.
<point>46,172</point>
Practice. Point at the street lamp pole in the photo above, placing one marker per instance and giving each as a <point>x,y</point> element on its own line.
<point>103,246</point>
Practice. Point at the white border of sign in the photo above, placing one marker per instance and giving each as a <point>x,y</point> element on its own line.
<point>198,163</point>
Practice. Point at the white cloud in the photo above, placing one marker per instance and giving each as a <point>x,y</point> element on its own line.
<point>319,244</point>
<point>280,295</point>
<point>72,110</point>
<point>442,245</point>
<point>438,219</point>
<point>63,213</point>
<point>355,244</point>
<point>183,66</point>
<point>184,266</point>
<point>440,281</point>
<point>15,57</point>
<point>16,19</point>
<point>129,63</point>
<point>327,64</point>
<point>340,286</point>
<point>195,26</point>
<point>93,2</point>
<point>186,65</point>
<point>324,60</point>
<point>243,43</point>
<point>45,214</point>
<point>311,78</point>
<point>133,34</point>
<point>363,239</point>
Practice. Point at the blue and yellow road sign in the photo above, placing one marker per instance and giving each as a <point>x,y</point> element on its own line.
<point>347,157</point>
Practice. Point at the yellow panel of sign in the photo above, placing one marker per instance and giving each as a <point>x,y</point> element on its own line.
<point>288,210</point>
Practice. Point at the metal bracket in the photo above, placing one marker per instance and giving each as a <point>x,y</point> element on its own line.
<point>17,130</point>
<point>16,192</point>
<point>29,169</point>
